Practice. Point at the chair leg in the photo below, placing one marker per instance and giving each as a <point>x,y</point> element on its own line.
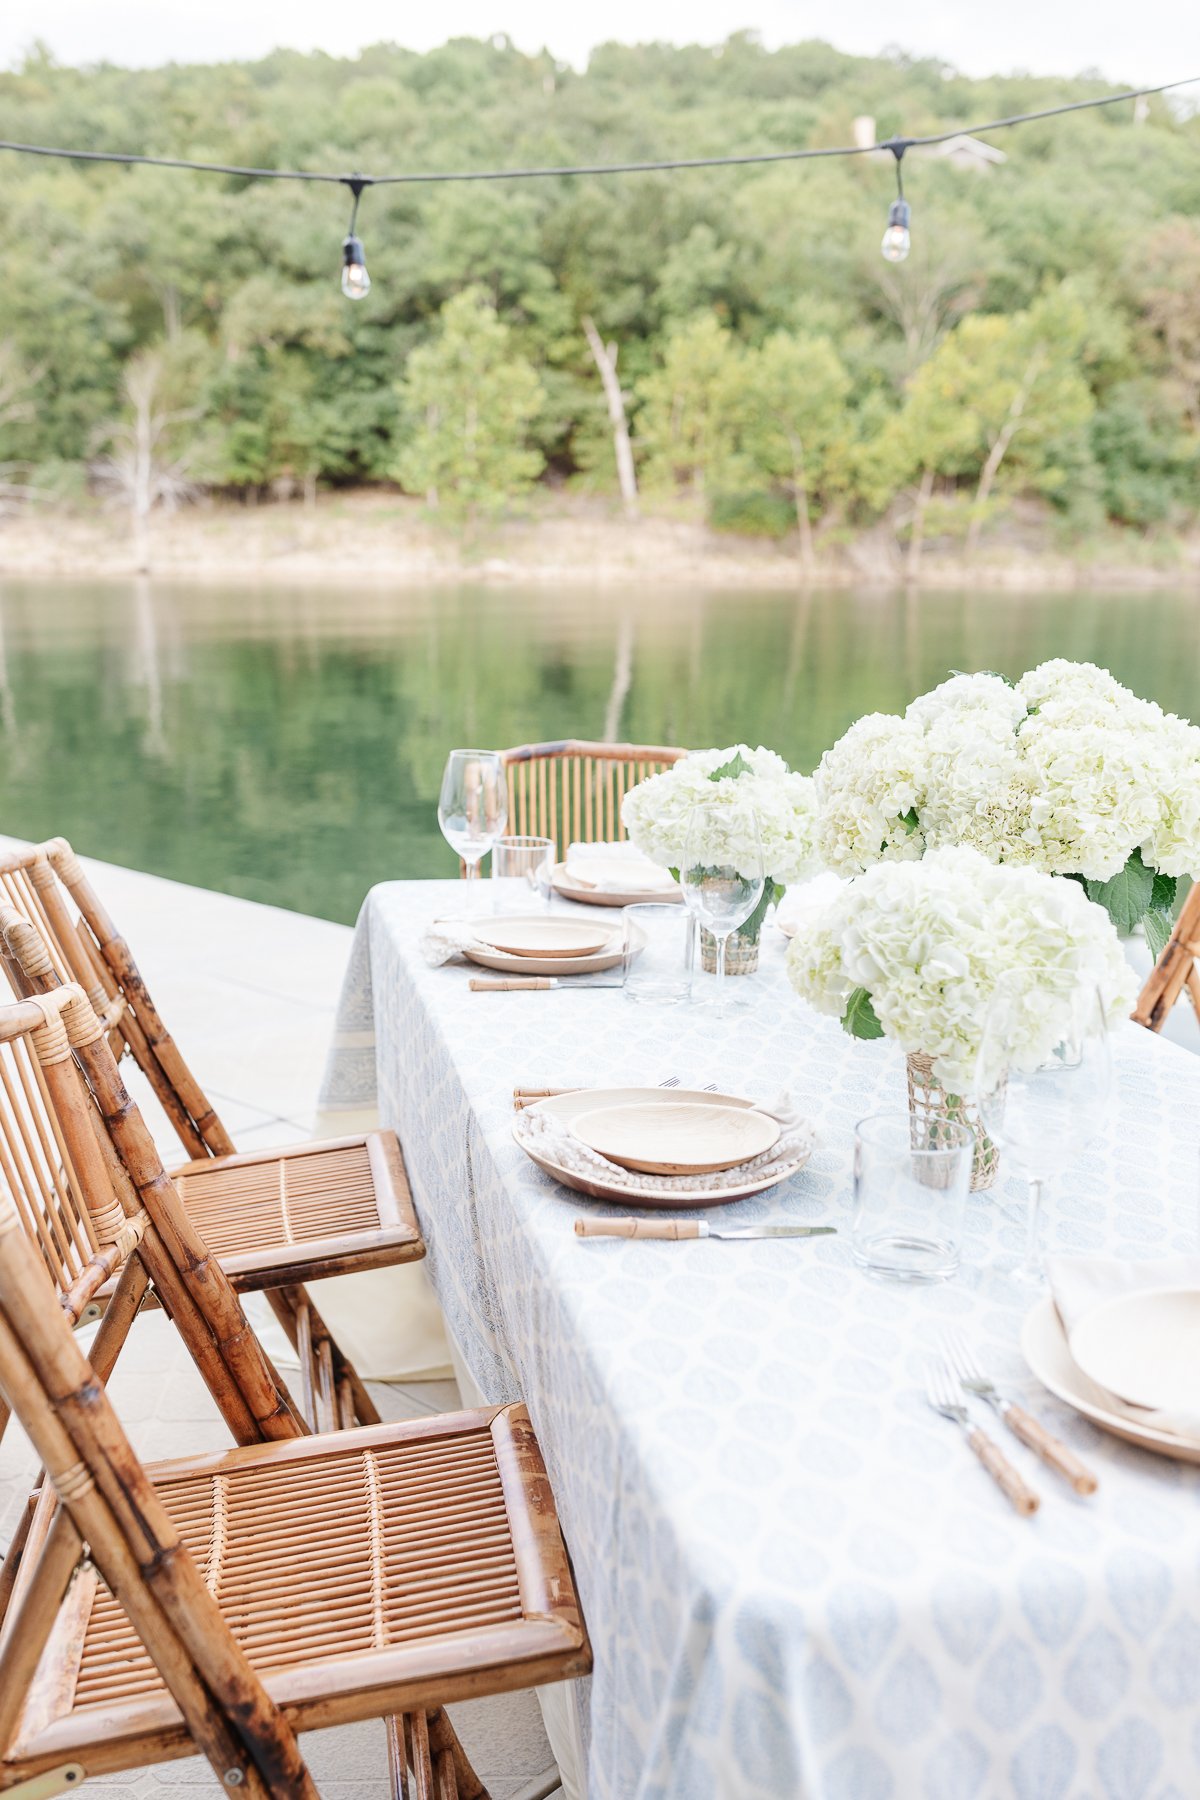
<point>440,1767</point>
<point>332,1394</point>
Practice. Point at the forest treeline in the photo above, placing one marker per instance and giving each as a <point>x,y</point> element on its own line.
<point>728,342</point>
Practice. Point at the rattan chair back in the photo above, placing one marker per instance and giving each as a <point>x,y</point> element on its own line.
<point>1176,968</point>
<point>571,792</point>
<point>46,884</point>
<point>107,1502</point>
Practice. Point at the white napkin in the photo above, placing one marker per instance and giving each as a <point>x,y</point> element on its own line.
<point>1079,1283</point>
<point>445,939</point>
<point>616,869</point>
<point>556,1140</point>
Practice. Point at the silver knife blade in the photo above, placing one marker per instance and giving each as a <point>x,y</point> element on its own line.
<point>771,1231</point>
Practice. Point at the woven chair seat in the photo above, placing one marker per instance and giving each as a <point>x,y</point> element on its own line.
<point>419,1561</point>
<point>278,1216</point>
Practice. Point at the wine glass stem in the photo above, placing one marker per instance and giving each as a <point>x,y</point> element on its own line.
<point>720,996</point>
<point>1033,1226</point>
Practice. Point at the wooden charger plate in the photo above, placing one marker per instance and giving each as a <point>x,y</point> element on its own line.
<point>547,937</point>
<point>570,889</point>
<point>508,964</point>
<point>568,1107</point>
<point>679,1137</point>
<point>1045,1348</point>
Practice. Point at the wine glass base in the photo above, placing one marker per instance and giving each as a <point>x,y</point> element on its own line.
<point>1016,1273</point>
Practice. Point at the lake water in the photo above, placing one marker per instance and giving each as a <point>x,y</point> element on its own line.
<point>287,744</point>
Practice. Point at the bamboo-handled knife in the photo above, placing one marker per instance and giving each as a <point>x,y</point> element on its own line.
<point>692,1228</point>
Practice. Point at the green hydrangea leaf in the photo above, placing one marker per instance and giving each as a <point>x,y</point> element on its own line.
<point>737,765</point>
<point>859,1017</point>
<point>910,821</point>
<point>1157,926</point>
<point>1126,896</point>
<point>1162,898</point>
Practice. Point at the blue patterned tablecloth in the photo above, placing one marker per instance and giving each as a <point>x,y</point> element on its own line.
<point>797,1580</point>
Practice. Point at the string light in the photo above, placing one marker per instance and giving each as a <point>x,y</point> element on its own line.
<point>356,283</point>
<point>896,239</point>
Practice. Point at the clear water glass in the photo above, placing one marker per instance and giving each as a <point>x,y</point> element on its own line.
<point>657,963</point>
<point>1043,1084</point>
<point>722,875</point>
<point>473,805</point>
<point>911,1181</point>
<point>523,865</point>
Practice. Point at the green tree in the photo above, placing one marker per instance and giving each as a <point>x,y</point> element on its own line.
<point>690,405</point>
<point>796,427</point>
<point>470,402</point>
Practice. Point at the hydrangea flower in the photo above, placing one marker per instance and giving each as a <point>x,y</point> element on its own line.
<point>657,812</point>
<point>926,942</point>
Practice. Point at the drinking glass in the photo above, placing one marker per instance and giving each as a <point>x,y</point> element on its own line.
<point>911,1180</point>
<point>1043,1081</point>
<point>528,860</point>
<point>657,954</point>
<point>722,875</point>
<point>473,806</point>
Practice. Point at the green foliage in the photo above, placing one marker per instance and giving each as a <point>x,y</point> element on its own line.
<point>1127,895</point>
<point>1040,339</point>
<point>469,402</point>
<point>859,1017</point>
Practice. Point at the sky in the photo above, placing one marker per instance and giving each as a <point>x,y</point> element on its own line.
<point>1152,41</point>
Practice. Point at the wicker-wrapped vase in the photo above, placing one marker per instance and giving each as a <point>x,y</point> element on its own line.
<point>928,1101</point>
<point>741,953</point>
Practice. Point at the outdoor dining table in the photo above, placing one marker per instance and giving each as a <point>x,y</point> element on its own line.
<point>796,1578</point>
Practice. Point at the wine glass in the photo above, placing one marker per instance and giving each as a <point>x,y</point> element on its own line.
<point>1043,1081</point>
<point>473,806</point>
<point>722,876</point>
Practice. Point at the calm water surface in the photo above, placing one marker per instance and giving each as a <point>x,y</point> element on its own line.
<point>287,744</point>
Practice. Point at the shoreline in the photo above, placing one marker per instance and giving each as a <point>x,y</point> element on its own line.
<point>386,540</point>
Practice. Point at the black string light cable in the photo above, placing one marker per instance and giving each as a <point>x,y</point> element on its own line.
<point>356,282</point>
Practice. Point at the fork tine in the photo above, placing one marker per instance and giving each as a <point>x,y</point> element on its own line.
<point>938,1385</point>
<point>958,1355</point>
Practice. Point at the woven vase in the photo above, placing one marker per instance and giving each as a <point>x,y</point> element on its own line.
<point>928,1101</point>
<point>741,953</point>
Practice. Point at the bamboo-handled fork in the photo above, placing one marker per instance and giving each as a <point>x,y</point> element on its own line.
<point>945,1397</point>
<point>1032,1433</point>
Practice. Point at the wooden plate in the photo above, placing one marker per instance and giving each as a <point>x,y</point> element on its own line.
<point>1045,1348</point>
<point>676,1137</point>
<point>546,937</point>
<point>568,1107</point>
<point>1144,1347</point>
<point>590,896</point>
<point>508,964</point>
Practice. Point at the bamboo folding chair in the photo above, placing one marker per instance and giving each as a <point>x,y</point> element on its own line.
<point>571,792</point>
<point>276,1218</point>
<point>224,1603</point>
<point>87,1191</point>
<point>1175,969</point>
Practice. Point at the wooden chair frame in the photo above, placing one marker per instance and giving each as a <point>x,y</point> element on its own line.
<point>1175,969</point>
<point>115,1517</point>
<point>114,1179</point>
<point>571,791</point>
<point>43,946</point>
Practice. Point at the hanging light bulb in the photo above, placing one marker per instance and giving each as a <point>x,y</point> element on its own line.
<point>896,239</point>
<point>356,283</point>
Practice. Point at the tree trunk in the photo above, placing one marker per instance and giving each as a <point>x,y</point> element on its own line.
<point>622,680</point>
<point>800,501</point>
<point>999,451</point>
<point>916,536</point>
<point>605,357</point>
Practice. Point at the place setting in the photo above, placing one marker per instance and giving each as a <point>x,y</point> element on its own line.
<point>663,1148</point>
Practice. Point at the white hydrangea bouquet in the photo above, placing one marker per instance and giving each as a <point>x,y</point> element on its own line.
<point>657,813</point>
<point>1067,772</point>
<point>913,950</point>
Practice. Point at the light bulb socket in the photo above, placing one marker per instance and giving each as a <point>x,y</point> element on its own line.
<point>352,252</point>
<point>899,213</point>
